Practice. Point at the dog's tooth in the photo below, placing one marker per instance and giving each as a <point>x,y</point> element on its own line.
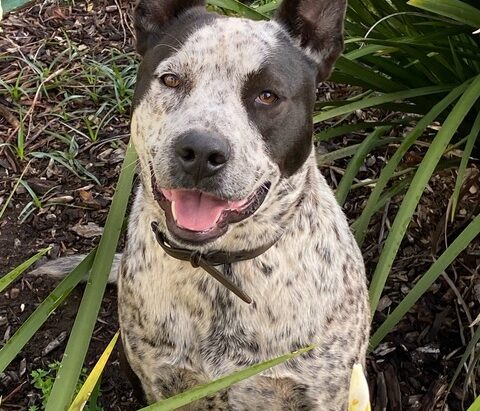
<point>174,212</point>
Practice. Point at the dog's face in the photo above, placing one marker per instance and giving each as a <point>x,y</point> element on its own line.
<point>222,107</point>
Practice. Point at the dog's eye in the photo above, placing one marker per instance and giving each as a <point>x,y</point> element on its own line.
<point>170,80</point>
<point>267,98</point>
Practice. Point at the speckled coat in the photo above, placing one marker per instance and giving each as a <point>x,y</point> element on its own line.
<point>179,326</point>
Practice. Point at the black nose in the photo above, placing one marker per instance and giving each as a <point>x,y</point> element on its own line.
<point>201,154</point>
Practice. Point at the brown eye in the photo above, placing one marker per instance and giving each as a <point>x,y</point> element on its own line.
<point>170,80</point>
<point>267,98</point>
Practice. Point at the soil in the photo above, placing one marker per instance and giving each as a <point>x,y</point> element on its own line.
<point>410,370</point>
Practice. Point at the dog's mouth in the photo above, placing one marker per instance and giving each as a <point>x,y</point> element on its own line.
<point>195,216</point>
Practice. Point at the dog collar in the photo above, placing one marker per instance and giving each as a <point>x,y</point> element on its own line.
<point>211,259</point>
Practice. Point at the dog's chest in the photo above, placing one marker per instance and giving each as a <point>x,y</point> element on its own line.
<point>308,288</point>
<point>211,327</point>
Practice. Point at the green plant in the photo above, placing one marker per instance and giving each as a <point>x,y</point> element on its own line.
<point>401,49</point>
<point>15,90</point>
<point>475,406</point>
<point>392,48</point>
<point>8,278</point>
<point>77,345</point>
<point>10,196</point>
<point>43,380</point>
<point>70,79</point>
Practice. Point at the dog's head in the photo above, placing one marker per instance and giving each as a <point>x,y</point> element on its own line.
<point>222,107</point>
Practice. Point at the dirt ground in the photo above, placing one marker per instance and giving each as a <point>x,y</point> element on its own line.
<point>410,370</point>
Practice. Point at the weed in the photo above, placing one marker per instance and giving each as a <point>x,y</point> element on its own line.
<point>43,379</point>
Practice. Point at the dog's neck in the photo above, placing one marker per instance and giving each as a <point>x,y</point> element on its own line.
<point>211,259</point>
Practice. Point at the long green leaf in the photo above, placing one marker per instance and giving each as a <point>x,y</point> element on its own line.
<point>332,132</point>
<point>375,80</point>
<point>70,368</point>
<point>344,78</point>
<point>376,101</point>
<point>398,51</point>
<point>472,137</point>
<point>412,197</point>
<point>363,12</point>
<point>399,47</point>
<point>35,199</point>
<point>9,198</point>
<point>442,165</point>
<point>204,390</point>
<point>268,7</point>
<point>362,222</point>
<point>239,8</point>
<point>8,278</point>
<point>455,9</point>
<point>392,69</point>
<point>388,194</point>
<point>13,346</point>
<point>367,50</point>
<point>6,6</point>
<point>437,268</point>
<point>349,151</point>
<point>475,406</point>
<point>356,162</point>
<point>468,351</point>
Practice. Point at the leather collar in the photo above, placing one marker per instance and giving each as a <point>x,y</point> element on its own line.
<point>211,259</point>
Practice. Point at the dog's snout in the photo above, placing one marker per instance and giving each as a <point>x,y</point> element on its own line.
<point>201,154</point>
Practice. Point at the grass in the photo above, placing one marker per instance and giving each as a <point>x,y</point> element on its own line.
<point>419,60</point>
<point>70,80</point>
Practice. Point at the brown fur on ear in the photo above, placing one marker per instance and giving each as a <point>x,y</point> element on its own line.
<point>317,25</point>
<point>151,15</point>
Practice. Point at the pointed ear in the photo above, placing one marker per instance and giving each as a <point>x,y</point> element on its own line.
<point>317,26</point>
<point>151,15</point>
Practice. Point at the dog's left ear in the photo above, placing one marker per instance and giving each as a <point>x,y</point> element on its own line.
<point>317,26</point>
<point>151,15</point>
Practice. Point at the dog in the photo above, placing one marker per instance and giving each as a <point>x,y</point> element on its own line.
<point>230,191</point>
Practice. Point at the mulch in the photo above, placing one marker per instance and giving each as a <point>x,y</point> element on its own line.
<point>410,370</point>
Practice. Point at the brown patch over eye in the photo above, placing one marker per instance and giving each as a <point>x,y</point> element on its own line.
<point>267,98</point>
<point>170,80</point>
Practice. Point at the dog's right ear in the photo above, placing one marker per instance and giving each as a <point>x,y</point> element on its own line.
<point>151,15</point>
<point>317,27</point>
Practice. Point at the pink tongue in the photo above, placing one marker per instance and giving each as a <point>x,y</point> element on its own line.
<point>196,211</point>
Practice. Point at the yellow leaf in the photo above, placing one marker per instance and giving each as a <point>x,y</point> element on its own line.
<point>358,398</point>
<point>89,384</point>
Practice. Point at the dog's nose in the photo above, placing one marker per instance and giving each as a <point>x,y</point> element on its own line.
<point>201,154</point>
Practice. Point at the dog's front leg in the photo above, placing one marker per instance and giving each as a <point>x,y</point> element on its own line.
<point>173,380</point>
<point>160,380</point>
<point>161,346</point>
<point>261,393</point>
